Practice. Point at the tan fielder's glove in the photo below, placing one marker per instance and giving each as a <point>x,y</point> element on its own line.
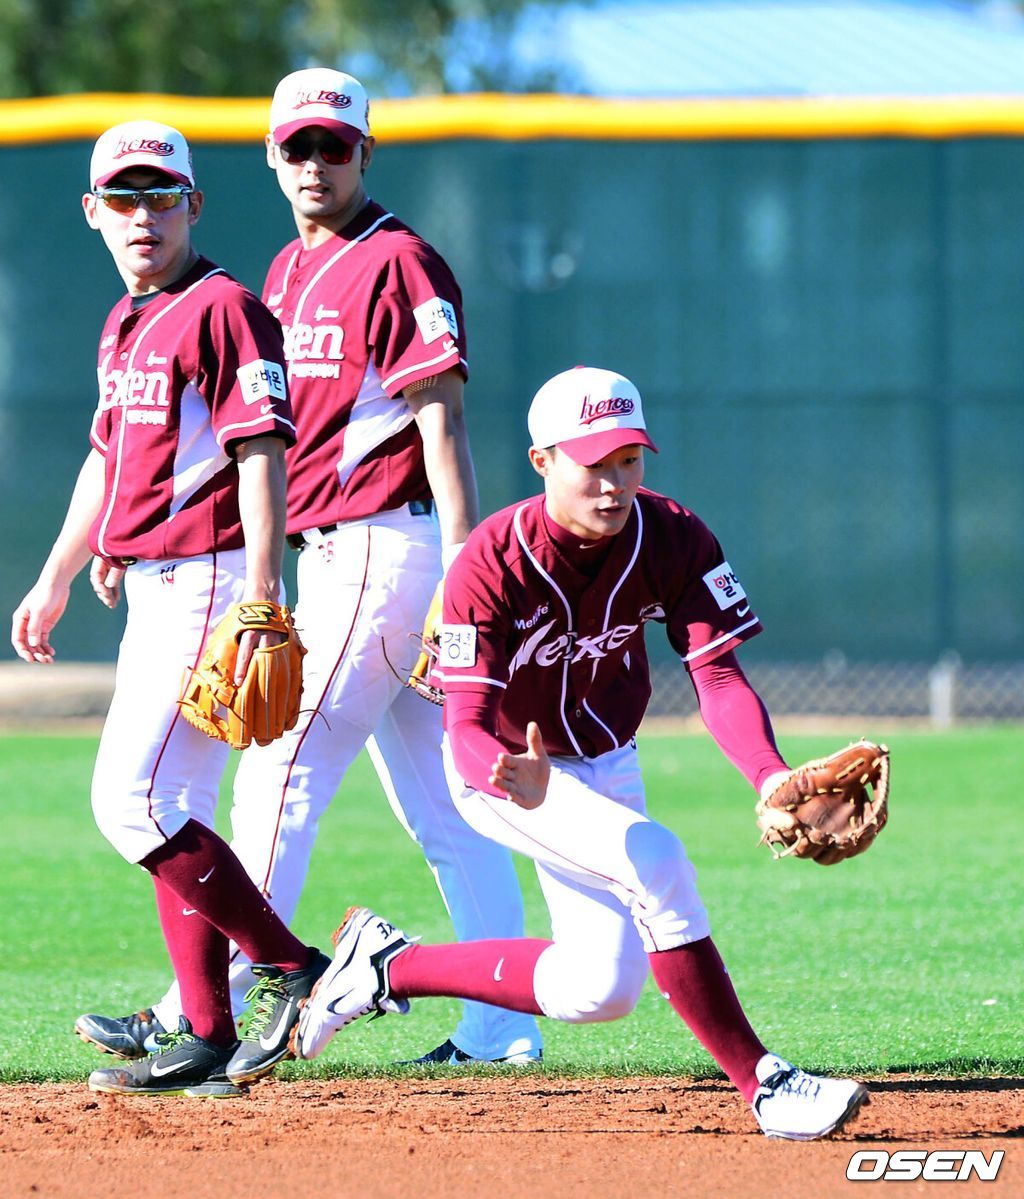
<point>266,703</point>
<point>829,809</point>
<point>430,645</point>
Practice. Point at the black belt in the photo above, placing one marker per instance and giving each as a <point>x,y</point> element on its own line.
<point>416,508</point>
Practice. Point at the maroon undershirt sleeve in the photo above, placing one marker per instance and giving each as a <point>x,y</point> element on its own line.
<point>470,716</point>
<point>734,715</point>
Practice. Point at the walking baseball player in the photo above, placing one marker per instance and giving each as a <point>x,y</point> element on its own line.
<point>380,489</point>
<point>545,672</point>
<point>183,491</point>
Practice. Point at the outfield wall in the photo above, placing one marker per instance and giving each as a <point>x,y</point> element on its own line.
<point>820,301</point>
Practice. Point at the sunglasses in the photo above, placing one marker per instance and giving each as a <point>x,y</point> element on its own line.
<point>156,199</point>
<point>301,147</point>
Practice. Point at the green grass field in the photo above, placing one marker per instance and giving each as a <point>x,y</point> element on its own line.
<point>908,958</point>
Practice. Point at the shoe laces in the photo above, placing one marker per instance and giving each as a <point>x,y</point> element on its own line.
<point>792,1082</point>
<point>263,997</point>
<point>172,1039</point>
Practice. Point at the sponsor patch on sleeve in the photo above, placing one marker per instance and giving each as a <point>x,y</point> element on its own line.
<point>436,318</point>
<point>260,380</point>
<point>458,645</point>
<point>724,586</point>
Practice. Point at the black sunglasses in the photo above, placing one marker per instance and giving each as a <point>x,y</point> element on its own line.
<point>301,147</point>
<point>156,199</point>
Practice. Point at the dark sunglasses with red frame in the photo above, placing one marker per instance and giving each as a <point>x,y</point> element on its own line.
<point>301,147</point>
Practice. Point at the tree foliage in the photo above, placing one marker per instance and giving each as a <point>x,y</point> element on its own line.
<point>223,48</point>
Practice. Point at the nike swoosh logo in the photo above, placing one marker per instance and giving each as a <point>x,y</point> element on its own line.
<point>497,970</point>
<point>273,1040</point>
<point>207,874</point>
<point>189,911</point>
<point>743,611</point>
<point>331,1006</point>
<point>158,1072</point>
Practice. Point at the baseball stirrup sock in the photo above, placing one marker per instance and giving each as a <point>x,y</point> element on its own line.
<point>201,869</point>
<point>495,972</point>
<point>199,955</point>
<point>694,980</point>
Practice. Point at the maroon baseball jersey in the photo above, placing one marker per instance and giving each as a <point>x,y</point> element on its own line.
<point>365,314</point>
<point>567,649</point>
<point>181,380</point>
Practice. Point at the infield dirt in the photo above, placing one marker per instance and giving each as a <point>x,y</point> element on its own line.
<point>520,1137</point>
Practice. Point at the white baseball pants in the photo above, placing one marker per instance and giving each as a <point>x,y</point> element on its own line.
<point>617,885</point>
<point>361,590</point>
<point>154,771</point>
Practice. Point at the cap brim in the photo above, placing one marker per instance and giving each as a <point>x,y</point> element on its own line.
<point>175,176</point>
<point>594,446</point>
<point>347,133</point>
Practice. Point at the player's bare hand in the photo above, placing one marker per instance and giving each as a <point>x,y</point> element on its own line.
<point>106,582</point>
<point>34,619</point>
<point>524,777</point>
<point>248,643</point>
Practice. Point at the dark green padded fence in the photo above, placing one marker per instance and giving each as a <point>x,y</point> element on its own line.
<point>827,334</point>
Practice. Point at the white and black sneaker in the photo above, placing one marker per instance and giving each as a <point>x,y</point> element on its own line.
<point>183,1064</point>
<point>797,1106</point>
<point>123,1036</point>
<point>355,983</point>
<point>449,1054</point>
<point>274,1001</point>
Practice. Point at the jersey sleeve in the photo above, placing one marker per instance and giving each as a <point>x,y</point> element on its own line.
<point>417,330</point>
<point>473,654</point>
<point>242,371</point>
<point>710,614</point>
<point>102,428</point>
<point>99,432</point>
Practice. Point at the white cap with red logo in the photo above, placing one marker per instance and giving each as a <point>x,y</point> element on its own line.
<point>318,96</point>
<point>141,144</point>
<point>588,413</point>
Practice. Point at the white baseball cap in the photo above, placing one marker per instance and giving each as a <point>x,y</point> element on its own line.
<point>588,412</point>
<point>141,144</point>
<point>318,96</point>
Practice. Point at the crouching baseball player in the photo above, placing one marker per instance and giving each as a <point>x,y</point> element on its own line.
<point>545,672</point>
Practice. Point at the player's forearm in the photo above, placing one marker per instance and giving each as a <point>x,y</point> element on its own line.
<point>262,504</point>
<point>734,715</point>
<point>470,718</point>
<point>447,457</point>
<point>71,550</point>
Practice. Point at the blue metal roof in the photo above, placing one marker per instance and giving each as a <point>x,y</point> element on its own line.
<point>785,47</point>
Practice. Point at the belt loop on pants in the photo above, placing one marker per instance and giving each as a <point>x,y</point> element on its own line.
<point>298,541</point>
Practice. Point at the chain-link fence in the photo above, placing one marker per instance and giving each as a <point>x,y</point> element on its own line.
<point>943,692</point>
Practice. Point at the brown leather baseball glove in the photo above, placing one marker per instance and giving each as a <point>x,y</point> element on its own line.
<point>430,643</point>
<point>829,809</point>
<point>266,703</point>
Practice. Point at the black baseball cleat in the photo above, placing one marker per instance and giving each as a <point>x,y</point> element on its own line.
<point>449,1054</point>
<point>274,1002</point>
<point>184,1064</point>
<point>123,1036</point>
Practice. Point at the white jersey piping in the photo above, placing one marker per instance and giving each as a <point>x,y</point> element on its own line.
<point>332,260</point>
<point>720,640</point>
<point>517,524</point>
<point>469,678</point>
<point>608,613</point>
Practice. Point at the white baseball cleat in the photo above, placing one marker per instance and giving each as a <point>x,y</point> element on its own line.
<point>354,984</point>
<point>798,1106</point>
